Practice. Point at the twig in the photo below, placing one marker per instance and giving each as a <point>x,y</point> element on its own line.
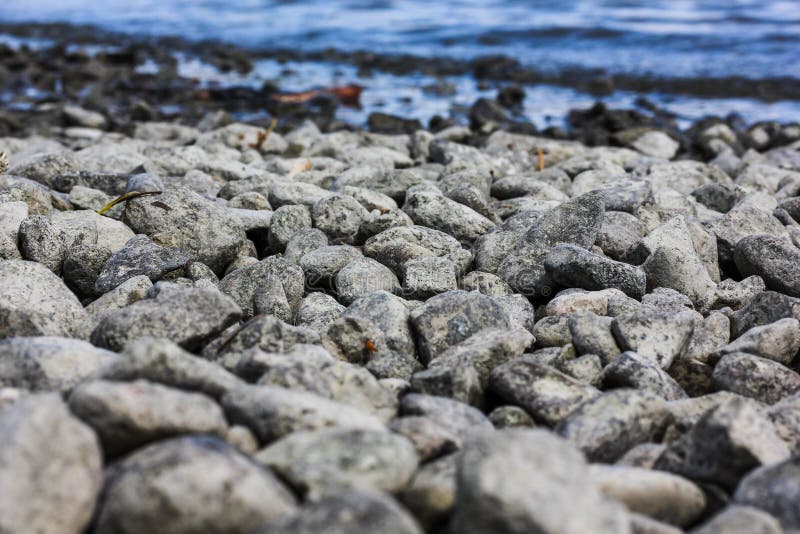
<point>124,198</point>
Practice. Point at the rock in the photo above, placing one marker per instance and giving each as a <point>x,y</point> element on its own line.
<point>206,484</point>
<point>348,512</point>
<point>12,214</point>
<point>727,442</point>
<point>591,334</point>
<point>50,467</point>
<point>323,264</point>
<point>606,426</point>
<point>526,481</point>
<point>389,314</point>
<point>79,116</point>
<point>326,462</point>
<point>633,371</point>
<point>451,317</point>
<point>428,276</point>
<point>659,337</point>
<point>758,378</point>
<point>126,416</point>
<point>736,294</point>
<point>139,256</point>
<point>394,246</point>
<point>317,311</point>
<point>431,493</point>
<point>35,302</point>
<point>777,341</point>
<point>774,489</point>
<point>126,293</point>
<point>267,333</point>
<point>82,267</point>
<point>739,223</point>
<point>785,415</point>
<point>457,418</point>
<point>773,258</point>
<point>661,496</point>
<point>163,362</point>
<point>362,277</point>
<point>573,266</point>
<point>207,232</point>
<point>286,222</point>
<point>487,283</point>
<point>737,518</point>
<point>547,394</point>
<point>188,316</point>
<point>656,144</point>
<point>390,124</point>
<point>265,278</point>
<point>764,308</point>
<point>339,217</point>
<point>273,412</point>
<point>43,242</point>
<point>48,363</point>
<point>438,212</point>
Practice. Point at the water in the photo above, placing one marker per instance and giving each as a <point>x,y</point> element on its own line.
<point>662,38</point>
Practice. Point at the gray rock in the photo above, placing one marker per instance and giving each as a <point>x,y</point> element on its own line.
<point>48,363</point>
<point>362,277</point>
<point>42,241</point>
<point>267,333</point>
<point>606,426</point>
<point>188,316</point>
<point>245,284</point>
<point>139,256</point>
<point>87,227</point>
<point>50,467</point>
<point>763,308</point>
<point>35,302</point>
<point>82,266</point>
<point>661,496</point>
<point>785,415</point>
<point>287,221</point>
<point>727,442</point>
<point>736,294</point>
<point>317,311</point>
<point>547,394</point>
<point>163,362</point>
<point>123,295</point>
<point>348,512</point>
<point>510,417</point>
<point>206,484</point>
<point>492,248</point>
<point>284,193</point>
<point>529,481</point>
<point>665,299</point>
<point>451,317</point>
<point>519,310</point>
<point>436,211</point>
<point>773,258</point>
<point>328,461</point>
<point>321,265</point>
<point>12,213</point>
<point>573,266</point>
<point>126,416</point>
<point>657,336</point>
<point>390,315</point>
<point>554,330</point>
<point>738,518</point>
<point>273,412</point>
<point>45,167</point>
<point>774,489</point>
<point>486,283</point>
<point>302,242</point>
<point>190,222</point>
<point>590,334</point>
<point>428,276</point>
<point>457,418</point>
<point>431,493</point>
<point>586,368</point>
<point>633,371</point>
<point>394,246</point>
<point>777,341</point>
<point>739,223</point>
<point>758,378</point>
<point>339,217</point>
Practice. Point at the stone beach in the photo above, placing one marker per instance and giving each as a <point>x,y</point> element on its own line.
<point>454,329</point>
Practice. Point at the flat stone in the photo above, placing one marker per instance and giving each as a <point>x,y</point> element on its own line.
<point>139,256</point>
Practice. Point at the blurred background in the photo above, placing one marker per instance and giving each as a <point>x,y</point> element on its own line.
<point>690,58</point>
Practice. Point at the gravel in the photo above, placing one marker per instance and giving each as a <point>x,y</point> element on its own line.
<point>410,335</point>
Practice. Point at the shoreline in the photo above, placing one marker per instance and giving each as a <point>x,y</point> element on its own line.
<point>496,68</point>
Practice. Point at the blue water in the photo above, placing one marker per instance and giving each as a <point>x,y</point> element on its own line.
<point>669,38</point>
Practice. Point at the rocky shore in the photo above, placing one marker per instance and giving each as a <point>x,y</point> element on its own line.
<point>318,328</point>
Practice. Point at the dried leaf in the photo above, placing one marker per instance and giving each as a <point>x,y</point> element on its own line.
<point>348,95</point>
<point>3,162</point>
<point>540,155</point>
<point>300,166</point>
<point>124,198</point>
